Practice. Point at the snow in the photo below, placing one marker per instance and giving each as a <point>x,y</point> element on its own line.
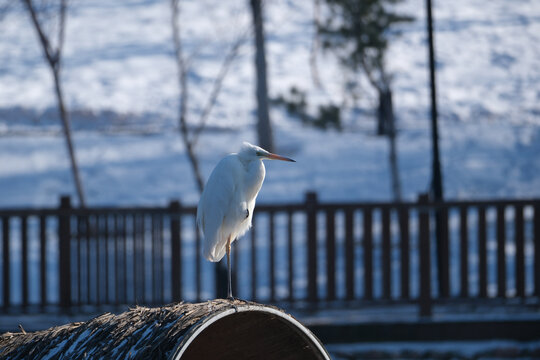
<point>119,74</point>
<point>82,337</point>
<point>54,352</point>
<point>435,350</point>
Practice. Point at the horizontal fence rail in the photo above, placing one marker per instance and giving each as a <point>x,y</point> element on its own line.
<point>307,253</point>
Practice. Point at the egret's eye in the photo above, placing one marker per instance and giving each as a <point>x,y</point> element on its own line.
<point>258,153</point>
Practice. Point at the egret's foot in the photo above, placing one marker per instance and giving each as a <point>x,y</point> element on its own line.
<point>232,301</point>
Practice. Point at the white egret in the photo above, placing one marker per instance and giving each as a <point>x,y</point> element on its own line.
<point>226,206</point>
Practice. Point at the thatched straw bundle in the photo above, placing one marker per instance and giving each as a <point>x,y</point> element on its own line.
<point>166,332</point>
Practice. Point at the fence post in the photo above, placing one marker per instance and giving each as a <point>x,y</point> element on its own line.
<point>464,251</point>
<point>482,252</point>
<point>404,251</point>
<point>425,256</point>
<point>368,253</point>
<point>536,228</point>
<point>64,239</point>
<point>386,254</point>
<point>501,254</point>
<point>176,251</point>
<point>6,261</point>
<point>311,232</point>
<point>24,262</point>
<point>520,251</point>
<point>330,255</point>
<point>349,254</point>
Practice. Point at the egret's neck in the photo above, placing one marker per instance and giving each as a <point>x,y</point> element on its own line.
<point>254,178</point>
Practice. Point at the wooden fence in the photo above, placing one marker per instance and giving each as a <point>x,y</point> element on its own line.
<point>308,253</point>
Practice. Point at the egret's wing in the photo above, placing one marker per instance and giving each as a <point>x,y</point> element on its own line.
<point>217,200</point>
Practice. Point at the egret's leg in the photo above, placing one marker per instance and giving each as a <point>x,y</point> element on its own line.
<point>229,288</point>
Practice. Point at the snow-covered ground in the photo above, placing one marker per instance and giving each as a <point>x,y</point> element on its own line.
<point>119,79</point>
<point>437,350</point>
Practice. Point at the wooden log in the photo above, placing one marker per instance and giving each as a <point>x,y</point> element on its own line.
<point>217,329</point>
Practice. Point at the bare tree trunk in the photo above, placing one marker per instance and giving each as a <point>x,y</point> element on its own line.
<point>382,116</point>
<point>394,170</point>
<point>264,129</point>
<point>315,45</point>
<point>53,58</point>
<point>194,161</point>
<point>385,120</point>
<point>67,135</point>
<point>389,122</point>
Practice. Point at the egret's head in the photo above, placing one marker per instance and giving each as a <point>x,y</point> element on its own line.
<point>253,152</point>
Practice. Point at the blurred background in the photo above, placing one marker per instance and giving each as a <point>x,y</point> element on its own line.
<point>121,89</point>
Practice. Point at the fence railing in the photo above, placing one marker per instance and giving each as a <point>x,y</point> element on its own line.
<point>306,253</point>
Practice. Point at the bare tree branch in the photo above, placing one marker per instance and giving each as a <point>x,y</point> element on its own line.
<point>53,57</point>
<point>218,82</point>
<point>61,29</point>
<point>368,70</point>
<point>47,50</point>
<point>182,80</point>
<point>182,67</point>
<point>183,64</point>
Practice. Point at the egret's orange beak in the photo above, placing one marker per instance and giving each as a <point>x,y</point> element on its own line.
<point>278,157</point>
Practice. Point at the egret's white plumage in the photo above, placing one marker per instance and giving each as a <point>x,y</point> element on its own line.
<point>227,202</point>
<point>226,206</point>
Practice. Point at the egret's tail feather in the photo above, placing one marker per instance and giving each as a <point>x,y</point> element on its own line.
<point>214,253</point>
